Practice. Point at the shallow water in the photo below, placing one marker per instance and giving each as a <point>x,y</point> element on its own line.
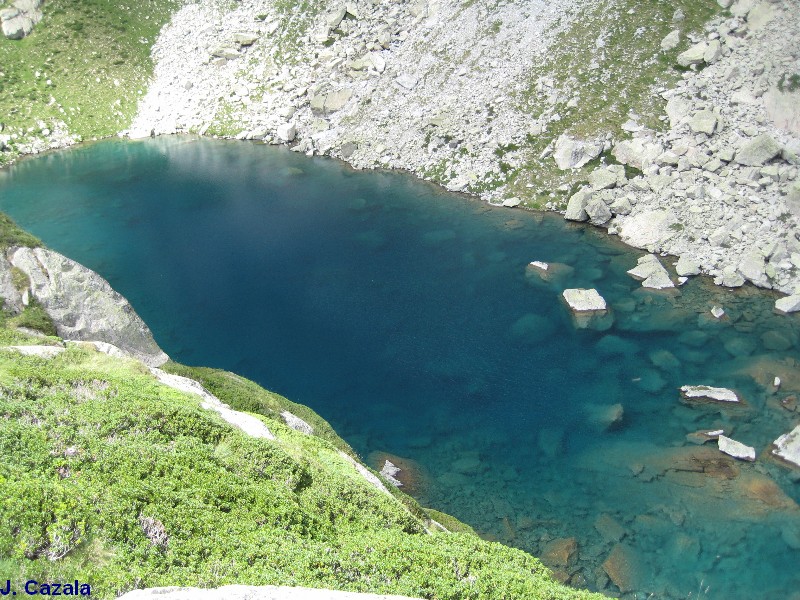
<point>408,318</point>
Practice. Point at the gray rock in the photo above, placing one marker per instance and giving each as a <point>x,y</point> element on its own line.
<point>287,131</point>
<point>758,151</point>
<point>226,52</point>
<point>783,109</point>
<point>581,300</point>
<point>297,423</point>
<point>671,41</point>
<point>389,470</point>
<point>708,393</point>
<point>741,8</point>
<point>325,104</point>
<point>602,179</point>
<point>787,447</point>
<point>736,449</point>
<point>677,109</point>
<point>336,17</point>
<point>760,15</point>
<point>576,207</point>
<point>647,228</point>
<point>703,121</point>
<point>788,304</point>
<point>571,153</point>
<point>693,56</point>
<point>651,273</point>
<point>245,38</point>
<point>713,52</point>
<point>752,267</point>
<point>730,277</point>
<point>598,212</point>
<point>621,206</point>
<point>687,266</point>
<point>406,81</point>
<point>83,306</point>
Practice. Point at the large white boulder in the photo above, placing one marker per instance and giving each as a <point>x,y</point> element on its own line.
<point>736,449</point>
<point>584,300</point>
<point>787,447</point>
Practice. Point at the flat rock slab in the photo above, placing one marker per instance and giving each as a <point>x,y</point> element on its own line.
<point>584,300</point>
<point>787,447</point>
<point>736,449</point>
<point>788,304</point>
<point>251,592</point>
<point>707,393</point>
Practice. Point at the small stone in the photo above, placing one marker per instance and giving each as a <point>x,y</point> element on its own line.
<point>718,312</point>
<point>512,202</point>
<point>736,449</point>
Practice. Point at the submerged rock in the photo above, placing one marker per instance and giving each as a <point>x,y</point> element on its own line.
<point>787,447</point>
<point>708,393</point>
<point>736,449</point>
<point>559,552</point>
<point>623,567</point>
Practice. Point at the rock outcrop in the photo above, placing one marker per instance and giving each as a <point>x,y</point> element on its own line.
<point>19,19</point>
<point>81,304</point>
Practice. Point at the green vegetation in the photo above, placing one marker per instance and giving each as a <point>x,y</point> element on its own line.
<point>12,235</point>
<point>34,317</point>
<point>789,83</point>
<point>85,65</point>
<point>109,477</point>
<point>604,68</point>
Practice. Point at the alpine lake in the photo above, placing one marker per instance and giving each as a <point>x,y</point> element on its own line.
<point>410,319</point>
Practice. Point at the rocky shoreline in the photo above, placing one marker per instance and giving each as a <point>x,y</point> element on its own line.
<point>394,86</point>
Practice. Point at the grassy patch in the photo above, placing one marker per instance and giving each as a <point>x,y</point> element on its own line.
<point>12,235</point>
<point>34,317</point>
<point>85,65</point>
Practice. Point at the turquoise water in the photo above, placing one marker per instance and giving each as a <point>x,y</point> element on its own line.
<point>408,318</point>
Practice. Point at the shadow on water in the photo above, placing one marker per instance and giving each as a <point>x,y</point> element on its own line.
<point>409,318</point>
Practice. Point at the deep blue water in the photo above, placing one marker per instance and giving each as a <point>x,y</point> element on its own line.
<point>406,316</point>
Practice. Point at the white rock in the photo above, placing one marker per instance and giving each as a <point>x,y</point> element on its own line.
<point>389,471</point>
<point>571,153</point>
<point>693,56</point>
<point>718,312</point>
<point>686,266</point>
<point>287,131</point>
<point>651,273</point>
<point>736,449</point>
<point>511,202</point>
<point>576,207</point>
<point>584,300</point>
<point>671,41</point>
<point>787,447</point>
<point>297,423</point>
<point>788,304</point>
<point>705,392</point>
<point>543,266</point>
<point>647,228</point>
<point>776,383</point>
